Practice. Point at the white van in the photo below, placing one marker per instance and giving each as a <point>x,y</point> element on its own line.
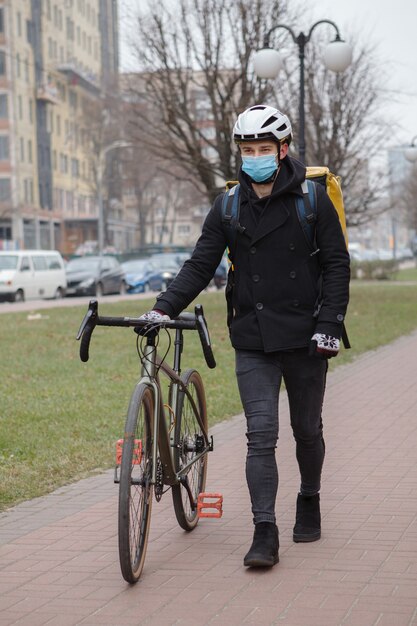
<point>27,274</point>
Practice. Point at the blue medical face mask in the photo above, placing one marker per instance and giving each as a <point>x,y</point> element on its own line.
<point>260,168</point>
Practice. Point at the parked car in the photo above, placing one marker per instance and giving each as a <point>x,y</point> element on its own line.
<point>94,276</point>
<point>405,254</point>
<point>26,274</point>
<point>170,258</point>
<point>167,265</point>
<point>141,276</point>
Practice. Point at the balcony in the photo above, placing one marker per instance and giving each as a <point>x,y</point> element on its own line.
<point>48,93</point>
<point>77,76</point>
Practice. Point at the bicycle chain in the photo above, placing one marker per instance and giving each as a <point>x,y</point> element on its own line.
<point>159,483</point>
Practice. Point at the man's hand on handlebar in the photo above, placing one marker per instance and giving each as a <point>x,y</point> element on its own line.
<point>153,317</point>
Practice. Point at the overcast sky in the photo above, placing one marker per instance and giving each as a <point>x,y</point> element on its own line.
<point>390,25</point>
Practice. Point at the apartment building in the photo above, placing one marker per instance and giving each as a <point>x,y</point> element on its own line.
<point>56,56</point>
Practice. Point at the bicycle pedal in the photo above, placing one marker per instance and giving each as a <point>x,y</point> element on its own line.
<point>212,501</point>
<point>137,452</point>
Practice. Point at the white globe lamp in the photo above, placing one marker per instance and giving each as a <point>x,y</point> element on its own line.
<point>410,153</point>
<point>267,63</point>
<point>337,56</point>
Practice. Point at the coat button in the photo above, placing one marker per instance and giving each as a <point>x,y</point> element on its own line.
<point>292,246</point>
<point>259,306</point>
<point>256,278</point>
<point>340,317</point>
<point>296,302</point>
<point>293,274</point>
<point>252,250</point>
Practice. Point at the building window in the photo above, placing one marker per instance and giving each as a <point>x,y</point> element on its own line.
<point>29,31</point>
<point>73,99</point>
<point>30,156</point>
<point>19,24</point>
<point>5,189</point>
<point>2,62</point>
<point>1,20</point>
<point>5,232</point>
<point>20,105</point>
<point>75,168</point>
<point>70,29</point>
<point>22,149</point>
<point>51,122</point>
<point>4,148</point>
<point>4,106</point>
<point>18,65</point>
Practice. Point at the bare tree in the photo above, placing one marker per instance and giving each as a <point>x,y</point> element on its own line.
<point>160,195</point>
<point>196,64</point>
<point>345,129</point>
<point>196,74</point>
<point>101,121</point>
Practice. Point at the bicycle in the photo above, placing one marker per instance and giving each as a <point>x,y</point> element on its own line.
<point>159,453</point>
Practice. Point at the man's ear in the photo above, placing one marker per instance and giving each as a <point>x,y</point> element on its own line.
<point>283,151</point>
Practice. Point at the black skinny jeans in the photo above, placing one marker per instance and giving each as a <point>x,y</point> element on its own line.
<point>259,377</point>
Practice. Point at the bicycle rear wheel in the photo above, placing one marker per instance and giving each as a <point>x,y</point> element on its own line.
<point>188,442</point>
<point>135,489</point>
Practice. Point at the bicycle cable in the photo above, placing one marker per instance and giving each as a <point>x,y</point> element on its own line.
<point>140,345</point>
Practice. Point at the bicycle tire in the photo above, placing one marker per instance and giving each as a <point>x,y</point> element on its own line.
<point>186,443</point>
<point>135,488</point>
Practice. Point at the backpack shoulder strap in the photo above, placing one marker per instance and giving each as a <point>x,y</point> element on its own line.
<point>231,205</point>
<point>230,216</point>
<point>307,212</point>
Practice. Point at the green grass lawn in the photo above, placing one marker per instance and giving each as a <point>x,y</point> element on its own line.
<point>60,418</point>
<point>407,274</point>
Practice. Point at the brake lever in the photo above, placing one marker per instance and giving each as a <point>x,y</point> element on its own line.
<point>91,314</point>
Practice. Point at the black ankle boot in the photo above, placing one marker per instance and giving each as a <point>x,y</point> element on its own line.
<point>308,521</point>
<point>264,549</point>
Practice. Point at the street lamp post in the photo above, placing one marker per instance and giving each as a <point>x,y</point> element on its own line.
<point>410,154</point>
<point>267,63</point>
<point>101,166</point>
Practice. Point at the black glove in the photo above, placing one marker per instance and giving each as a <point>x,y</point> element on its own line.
<point>324,346</point>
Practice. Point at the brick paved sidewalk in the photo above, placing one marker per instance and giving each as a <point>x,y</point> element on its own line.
<point>58,554</point>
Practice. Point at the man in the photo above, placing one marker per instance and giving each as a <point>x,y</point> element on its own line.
<point>288,307</point>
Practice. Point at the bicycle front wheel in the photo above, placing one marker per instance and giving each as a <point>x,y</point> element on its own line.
<point>188,443</point>
<point>135,489</point>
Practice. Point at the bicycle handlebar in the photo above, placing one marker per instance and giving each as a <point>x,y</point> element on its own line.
<point>185,321</point>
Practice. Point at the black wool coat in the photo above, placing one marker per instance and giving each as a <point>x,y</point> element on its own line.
<point>276,278</point>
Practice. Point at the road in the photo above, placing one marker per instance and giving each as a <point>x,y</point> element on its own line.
<point>37,305</point>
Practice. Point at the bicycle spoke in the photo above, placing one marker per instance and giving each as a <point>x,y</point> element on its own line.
<point>135,496</point>
<point>189,443</point>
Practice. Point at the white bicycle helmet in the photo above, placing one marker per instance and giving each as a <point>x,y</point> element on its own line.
<point>262,122</point>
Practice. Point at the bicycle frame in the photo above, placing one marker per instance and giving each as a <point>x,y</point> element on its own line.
<point>162,439</point>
